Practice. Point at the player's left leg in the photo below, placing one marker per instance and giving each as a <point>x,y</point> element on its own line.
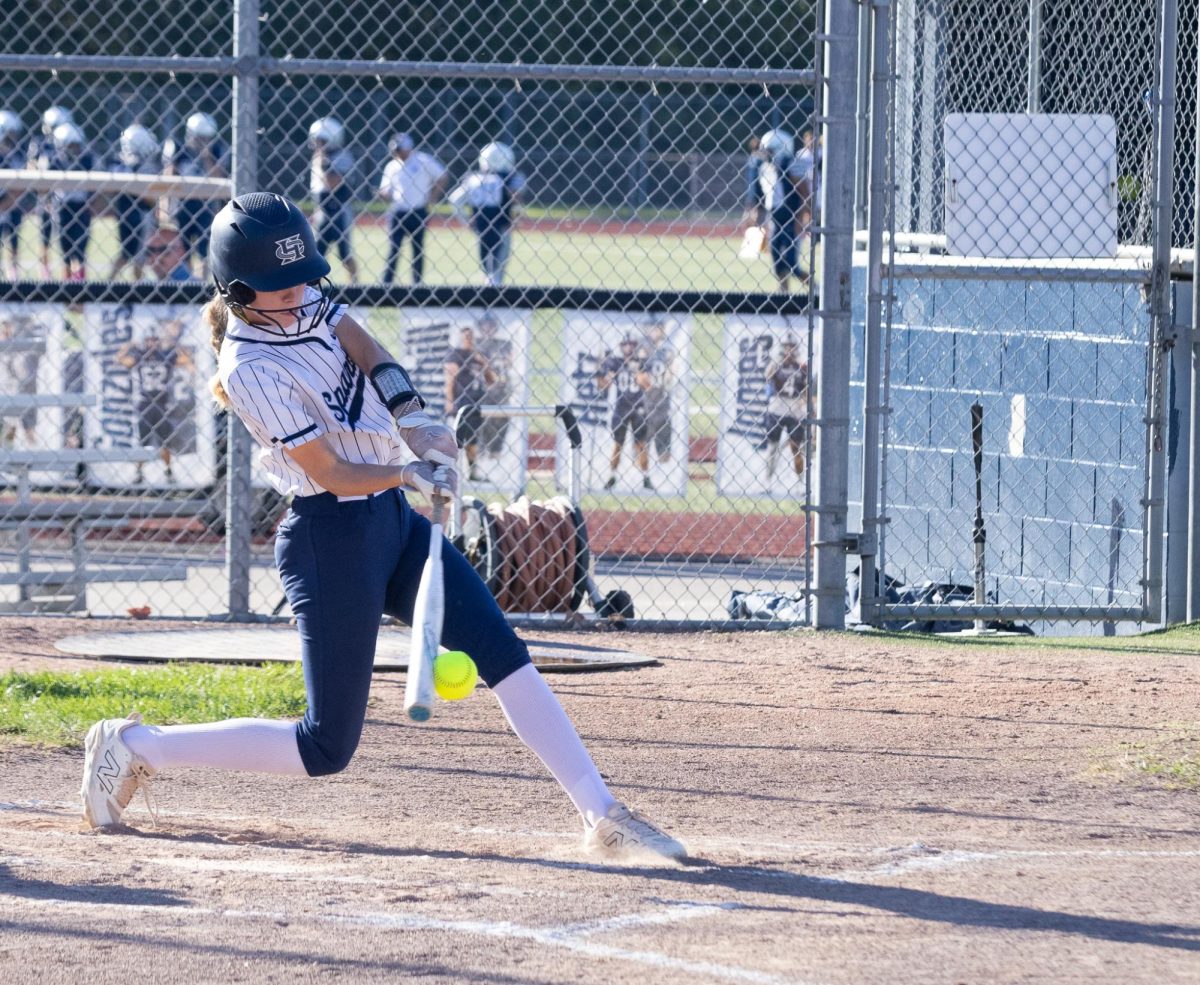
<point>345,223</point>
<point>334,560</point>
<point>474,624</point>
<point>417,223</point>
<point>503,252</point>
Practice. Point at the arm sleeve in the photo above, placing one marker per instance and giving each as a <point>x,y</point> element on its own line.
<point>268,403</point>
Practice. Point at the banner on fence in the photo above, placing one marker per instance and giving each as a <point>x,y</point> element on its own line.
<point>32,370</point>
<point>763,448</point>
<point>625,374</point>
<point>463,360</point>
<point>149,367</point>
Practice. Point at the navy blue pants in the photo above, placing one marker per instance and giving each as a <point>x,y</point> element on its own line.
<point>410,223</point>
<point>343,565</point>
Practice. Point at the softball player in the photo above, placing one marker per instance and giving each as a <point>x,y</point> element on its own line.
<point>783,180</point>
<point>493,194</point>
<point>138,153</point>
<point>12,157</point>
<point>787,405</point>
<point>201,155</point>
<point>626,373</point>
<point>41,156</point>
<point>73,209</point>
<point>329,185</point>
<point>325,402</point>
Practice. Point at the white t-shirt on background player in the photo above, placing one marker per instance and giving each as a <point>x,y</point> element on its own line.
<point>291,390</point>
<point>407,184</point>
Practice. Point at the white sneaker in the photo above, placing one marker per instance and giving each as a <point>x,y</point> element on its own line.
<point>622,832</point>
<point>112,772</point>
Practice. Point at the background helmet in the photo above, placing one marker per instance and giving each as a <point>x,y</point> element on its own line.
<point>53,118</point>
<point>262,242</point>
<point>11,126</point>
<point>68,135</point>
<point>400,142</point>
<point>200,129</point>
<point>137,145</point>
<point>497,158</point>
<point>778,144</point>
<point>327,131</point>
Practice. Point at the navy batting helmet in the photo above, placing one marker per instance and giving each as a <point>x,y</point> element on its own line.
<point>261,242</point>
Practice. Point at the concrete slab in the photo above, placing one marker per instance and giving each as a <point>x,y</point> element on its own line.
<point>270,644</point>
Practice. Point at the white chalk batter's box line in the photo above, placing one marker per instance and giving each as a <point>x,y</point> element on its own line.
<point>569,937</point>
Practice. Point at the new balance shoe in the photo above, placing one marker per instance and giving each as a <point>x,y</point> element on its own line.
<point>112,772</point>
<point>622,833</point>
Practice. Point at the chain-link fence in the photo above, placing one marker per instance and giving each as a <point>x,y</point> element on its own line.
<point>1023,309</point>
<point>648,401</point>
<point>650,271</point>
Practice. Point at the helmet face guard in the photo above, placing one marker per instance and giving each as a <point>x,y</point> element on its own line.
<point>262,243</point>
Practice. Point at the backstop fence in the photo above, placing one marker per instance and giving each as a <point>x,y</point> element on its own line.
<point>726,343</point>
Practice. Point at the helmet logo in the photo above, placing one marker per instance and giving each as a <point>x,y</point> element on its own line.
<point>289,249</point>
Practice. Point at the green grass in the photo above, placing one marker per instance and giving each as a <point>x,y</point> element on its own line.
<point>55,708</point>
<point>1171,759</point>
<point>624,262</point>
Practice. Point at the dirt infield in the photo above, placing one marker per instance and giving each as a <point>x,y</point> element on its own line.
<point>860,809</point>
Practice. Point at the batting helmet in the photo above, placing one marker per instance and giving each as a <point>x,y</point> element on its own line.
<point>497,158</point>
<point>262,242</point>
<point>778,144</point>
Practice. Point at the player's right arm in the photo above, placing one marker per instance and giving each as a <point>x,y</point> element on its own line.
<point>328,469</point>
<point>268,402</point>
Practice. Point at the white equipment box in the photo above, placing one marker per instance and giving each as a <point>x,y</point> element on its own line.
<point>1031,185</point>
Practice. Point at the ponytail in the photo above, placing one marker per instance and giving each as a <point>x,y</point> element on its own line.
<point>216,316</point>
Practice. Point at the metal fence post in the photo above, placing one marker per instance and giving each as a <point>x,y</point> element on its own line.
<point>872,402</point>
<point>1193,553</point>
<point>1033,97</point>
<point>238,490</point>
<point>1162,331</point>
<point>833,357</point>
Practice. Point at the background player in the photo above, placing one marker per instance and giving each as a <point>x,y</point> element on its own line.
<point>72,209</point>
<point>332,194</point>
<point>787,405</point>
<point>351,547</point>
<point>412,181</point>
<point>41,156</point>
<point>468,376</point>
<point>154,364</point>
<point>138,153</point>
<point>658,359</point>
<point>499,355</point>
<point>19,376</point>
<point>626,375</point>
<point>201,155</point>
<point>13,156</point>
<point>784,195</point>
<point>493,196</point>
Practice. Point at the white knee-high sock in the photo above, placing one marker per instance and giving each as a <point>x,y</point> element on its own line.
<point>254,745</point>
<point>540,722</point>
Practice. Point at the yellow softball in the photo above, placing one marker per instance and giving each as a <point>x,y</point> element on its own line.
<point>454,675</point>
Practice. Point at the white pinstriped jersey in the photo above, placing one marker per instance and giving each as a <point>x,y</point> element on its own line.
<point>291,390</point>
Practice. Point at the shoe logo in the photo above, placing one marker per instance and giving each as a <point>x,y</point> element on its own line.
<point>289,249</point>
<point>108,772</point>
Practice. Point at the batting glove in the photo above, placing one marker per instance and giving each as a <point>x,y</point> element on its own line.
<point>429,480</point>
<point>430,440</point>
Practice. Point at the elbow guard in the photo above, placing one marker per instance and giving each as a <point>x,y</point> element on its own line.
<point>394,387</point>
